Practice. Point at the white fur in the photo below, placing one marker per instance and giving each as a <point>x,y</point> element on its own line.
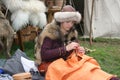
<point>31,5</point>
<point>42,20</point>
<point>20,19</point>
<point>13,5</point>
<point>26,12</point>
<point>34,6</point>
<point>67,16</point>
<point>38,19</point>
<point>34,19</point>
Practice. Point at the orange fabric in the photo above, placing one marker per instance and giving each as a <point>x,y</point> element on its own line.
<point>84,68</point>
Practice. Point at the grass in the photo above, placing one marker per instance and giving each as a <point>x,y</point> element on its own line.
<point>29,49</point>
<point>107,53</point>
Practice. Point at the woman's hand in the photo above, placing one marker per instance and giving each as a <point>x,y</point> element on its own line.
<point>72,46</point>
<point>81,50</point>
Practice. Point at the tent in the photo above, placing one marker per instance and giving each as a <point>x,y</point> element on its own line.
<point>102,18</point>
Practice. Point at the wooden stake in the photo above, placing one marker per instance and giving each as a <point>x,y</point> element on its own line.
<point>90,35</point>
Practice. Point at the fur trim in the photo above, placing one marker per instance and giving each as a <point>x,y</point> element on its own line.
<point>52,31</point>
<point>67,16</point>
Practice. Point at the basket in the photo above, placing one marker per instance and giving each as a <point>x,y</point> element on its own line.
<point>22,76</point>
<point>27,34</point>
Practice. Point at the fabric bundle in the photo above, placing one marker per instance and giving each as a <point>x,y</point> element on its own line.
<point>80,67</point>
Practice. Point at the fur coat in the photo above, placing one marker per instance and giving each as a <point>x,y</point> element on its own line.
<point>52,31</point>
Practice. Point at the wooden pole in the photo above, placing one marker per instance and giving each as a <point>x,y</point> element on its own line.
<point>20,40</point>
<point>90,34</point>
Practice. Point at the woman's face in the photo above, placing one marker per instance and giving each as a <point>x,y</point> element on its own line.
<point>66,26</point>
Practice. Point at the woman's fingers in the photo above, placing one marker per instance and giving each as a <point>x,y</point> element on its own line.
<point>71,46</point>
<point>81,50</point>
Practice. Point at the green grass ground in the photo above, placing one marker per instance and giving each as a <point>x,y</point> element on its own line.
<point>107,53</point>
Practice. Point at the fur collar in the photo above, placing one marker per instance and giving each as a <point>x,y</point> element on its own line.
<point>52,31</point>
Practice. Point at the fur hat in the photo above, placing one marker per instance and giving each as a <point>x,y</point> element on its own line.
<point>68,13</point>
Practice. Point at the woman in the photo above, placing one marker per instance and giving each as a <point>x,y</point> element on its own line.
<point>59,37</point>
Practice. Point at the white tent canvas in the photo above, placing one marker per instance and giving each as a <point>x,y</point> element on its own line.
<point>105,19</point>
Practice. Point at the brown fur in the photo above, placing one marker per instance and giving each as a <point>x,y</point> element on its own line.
<point>6,35</point>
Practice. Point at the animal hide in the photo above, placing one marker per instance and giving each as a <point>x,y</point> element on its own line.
<point>6,34</point>
<point>29,5</point>
<point>26,12</point>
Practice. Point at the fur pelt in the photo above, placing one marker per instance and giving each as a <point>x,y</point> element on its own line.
<point>6,34</point>
<point>29,5</point>
<point>26,12</point>
<point>52,31</point>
